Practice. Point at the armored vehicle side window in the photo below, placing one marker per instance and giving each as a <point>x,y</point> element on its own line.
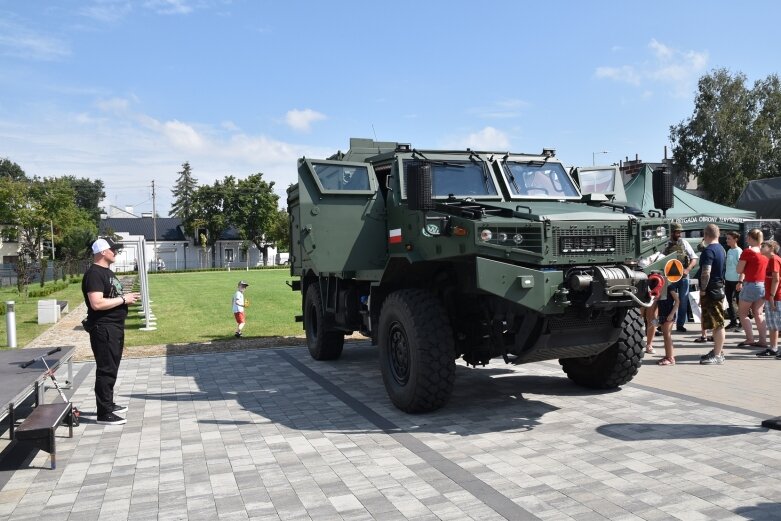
<point>548,180</point>
<point>340,177</point>
<point>597,181</point>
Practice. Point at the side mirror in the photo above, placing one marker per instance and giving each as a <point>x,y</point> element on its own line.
<point>419,186</point>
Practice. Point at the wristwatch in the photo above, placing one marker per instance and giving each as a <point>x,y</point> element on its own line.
<point>123,299</point>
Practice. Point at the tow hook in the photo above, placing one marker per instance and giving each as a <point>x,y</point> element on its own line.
<point>562,297</point>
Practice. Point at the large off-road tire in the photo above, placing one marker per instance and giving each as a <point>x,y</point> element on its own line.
<point>417,352</point>
<point>617,364</point>
<point>323,344</point>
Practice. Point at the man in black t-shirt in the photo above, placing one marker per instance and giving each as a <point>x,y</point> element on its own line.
<point>106,311</point>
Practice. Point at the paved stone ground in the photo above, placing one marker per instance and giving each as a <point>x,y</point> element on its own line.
<point>272,434</point>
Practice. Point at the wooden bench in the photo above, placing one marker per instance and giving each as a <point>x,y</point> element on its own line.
<point>39,427</point>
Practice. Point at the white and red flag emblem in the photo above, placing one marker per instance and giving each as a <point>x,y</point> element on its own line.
<point>394,236</point>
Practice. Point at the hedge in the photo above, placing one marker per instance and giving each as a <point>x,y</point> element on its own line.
<point>48,289</point>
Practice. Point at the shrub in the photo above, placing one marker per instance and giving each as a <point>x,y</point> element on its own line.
<point>47,290</point>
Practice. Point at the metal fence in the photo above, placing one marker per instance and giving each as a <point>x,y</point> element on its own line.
<point>8,275</point>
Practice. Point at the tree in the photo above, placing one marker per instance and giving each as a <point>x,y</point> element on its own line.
<point>43,204</point>
<point>767,127</point>
<point>208,211</point>
<point>184,193</point>
<point>34,207</point>
<point>88,195</point>
<point>253,208</point>
<point>733,136</point>
<point>280,230</point>
<point>11,170</point>
<point>75,243</point>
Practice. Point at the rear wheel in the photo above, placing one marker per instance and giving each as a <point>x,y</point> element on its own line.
<point>323,344</point>
<point>417,354</point>
<point>617,364</point>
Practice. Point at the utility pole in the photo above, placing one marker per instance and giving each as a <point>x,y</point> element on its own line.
<point>51,224</point>
<point>154,225</point>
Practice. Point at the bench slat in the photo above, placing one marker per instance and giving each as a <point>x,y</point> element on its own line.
<point>42,418</point>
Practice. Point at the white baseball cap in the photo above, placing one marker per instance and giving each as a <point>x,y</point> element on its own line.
<point>102,245</point>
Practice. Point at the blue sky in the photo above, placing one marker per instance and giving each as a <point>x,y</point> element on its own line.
<point>127,91</point>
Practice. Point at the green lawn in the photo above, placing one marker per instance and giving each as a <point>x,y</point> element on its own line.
<point>27,326</point>
<point>188,307</point>
<point>197,307</point>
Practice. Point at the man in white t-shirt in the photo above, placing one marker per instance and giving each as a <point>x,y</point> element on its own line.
<point>238,307</point>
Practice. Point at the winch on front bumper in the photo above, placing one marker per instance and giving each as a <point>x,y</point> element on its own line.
<point>606,287</point>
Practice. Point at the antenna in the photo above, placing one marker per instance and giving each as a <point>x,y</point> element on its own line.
<point>375,136</point>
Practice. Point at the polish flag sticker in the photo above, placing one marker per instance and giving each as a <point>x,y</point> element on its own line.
<point>394,236</point>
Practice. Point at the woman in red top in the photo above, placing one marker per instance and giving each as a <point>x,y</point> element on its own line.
<point>772,297</point>
<point>751,284</point>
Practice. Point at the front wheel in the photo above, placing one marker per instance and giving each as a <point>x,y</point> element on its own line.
<point>417,352</point>
<point>617,364</point>
<point>323,344</point>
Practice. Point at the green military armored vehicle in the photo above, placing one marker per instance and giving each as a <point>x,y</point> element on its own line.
<point>439,254</point>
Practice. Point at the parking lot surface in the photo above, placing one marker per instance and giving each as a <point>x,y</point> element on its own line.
<point>273,434</point>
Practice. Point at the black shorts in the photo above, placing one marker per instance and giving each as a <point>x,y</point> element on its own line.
<point>665,308</point>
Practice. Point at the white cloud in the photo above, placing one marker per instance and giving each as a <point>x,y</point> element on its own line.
<point>502,109</point>
<point>114,105</point>
<point>169,6</point>
<point>127,150</point>
<point>489,138</point>
<point>20,42</point>
<point>661,51</point>
<point>183,135</point>
<point>676,69</point>
<point>107,10</point>
<point>626,74</point>
<point>301,120</point>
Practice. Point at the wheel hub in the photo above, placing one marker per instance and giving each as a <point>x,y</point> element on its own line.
<point>399,354</point>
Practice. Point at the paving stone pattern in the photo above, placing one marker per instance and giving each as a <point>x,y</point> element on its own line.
<point>272,434</point>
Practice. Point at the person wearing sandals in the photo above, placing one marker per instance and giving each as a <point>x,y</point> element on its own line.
<point>772,298</point>
<point>732,277</point>
<point>668,313</point>
<point>651,313</point>
<point>712,264</point>
<point>751,268</point>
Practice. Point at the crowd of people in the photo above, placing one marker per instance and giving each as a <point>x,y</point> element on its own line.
<point>741,284</point>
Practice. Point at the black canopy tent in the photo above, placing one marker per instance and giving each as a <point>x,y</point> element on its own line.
<point>762,196</point>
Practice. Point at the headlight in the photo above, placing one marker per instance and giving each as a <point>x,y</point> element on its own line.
<point>517,238</point>
<point>486,235</point>
<point>501,237</point>
<point>647,234</point>
<point>661,231</point>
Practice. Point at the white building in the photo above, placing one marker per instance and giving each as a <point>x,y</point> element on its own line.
<point>177,252</point>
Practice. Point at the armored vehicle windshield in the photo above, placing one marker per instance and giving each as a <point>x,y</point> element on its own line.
<point>538,180</point>
<point>460,179</point>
